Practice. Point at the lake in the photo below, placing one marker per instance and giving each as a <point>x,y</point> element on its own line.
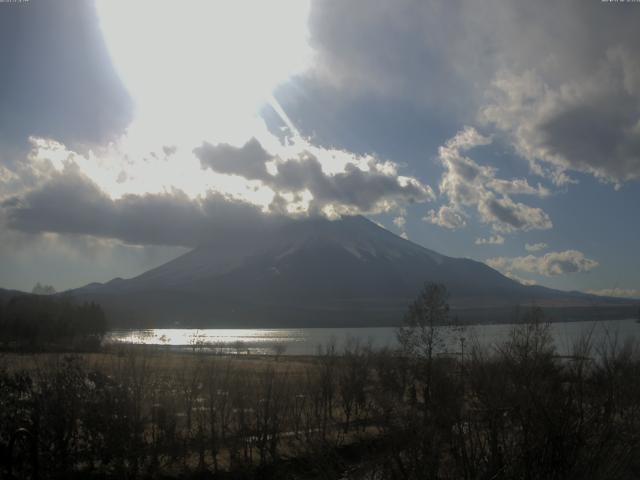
<point>305,341</point>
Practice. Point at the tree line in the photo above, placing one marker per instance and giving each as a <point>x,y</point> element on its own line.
<point>44,321</point>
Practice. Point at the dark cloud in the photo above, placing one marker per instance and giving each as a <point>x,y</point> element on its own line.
<point>169,150</point>
<point>70,203</point>
<point>387,49</point>
<point>63,199</point>
<point>507,215</point>
<point>599,136</point>
<point>589,124</point>
<point>352,191</point>
<point>355,188</point>
<point>248,161</point>
<point>449,52</point>
<point>57,79</point>
<point>460,58</point>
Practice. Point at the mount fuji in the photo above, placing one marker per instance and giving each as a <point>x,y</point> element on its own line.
<point>315,272</point>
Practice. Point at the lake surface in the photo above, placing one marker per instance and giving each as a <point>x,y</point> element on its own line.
<point>305,341</point>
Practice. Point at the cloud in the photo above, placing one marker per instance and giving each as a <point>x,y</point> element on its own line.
<point>520,280</point>
<point>28,258</point>
<point>535,247</point>
<point>562,82</point>
<point>507,216</point>
<point>71,203</point>
<point>517,186</point>
<point>58,78</point>
<point>617,292</point>
<point>248,161</point>
<point>447,217</point>
<point>550,264</point>
<point>179,196</point>
<point>360,185</point>
<point>351,191</point>
<point>467,184</point>
<point>466,139</point>
<point>588,124</point>
<point>415,50</point>
<point>400,222</point>
<point>384,49</point>
<point>58,190</point>
<point>492,240</point>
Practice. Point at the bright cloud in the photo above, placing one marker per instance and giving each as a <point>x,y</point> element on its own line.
<point>467,184</point>
<point>519,279</point>
<point>617,292</point>
<point>447,217</point>
<point>400,222</point>
<point>550,264</point>
<point>492,240</point>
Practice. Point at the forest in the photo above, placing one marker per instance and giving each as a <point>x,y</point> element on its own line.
<point>46,322</point>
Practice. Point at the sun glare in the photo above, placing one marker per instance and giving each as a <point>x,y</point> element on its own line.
<point>201,69</point>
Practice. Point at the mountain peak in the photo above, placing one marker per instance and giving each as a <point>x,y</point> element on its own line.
<point>308,272</point>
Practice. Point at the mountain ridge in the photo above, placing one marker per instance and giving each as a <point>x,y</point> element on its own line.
<point>312,272</point>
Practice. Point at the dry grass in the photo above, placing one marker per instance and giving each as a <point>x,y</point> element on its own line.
<point>163,361</point>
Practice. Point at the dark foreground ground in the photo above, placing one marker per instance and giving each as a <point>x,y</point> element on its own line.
<point>519,411</point>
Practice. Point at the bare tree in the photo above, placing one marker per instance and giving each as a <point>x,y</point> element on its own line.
<point>418,335</point>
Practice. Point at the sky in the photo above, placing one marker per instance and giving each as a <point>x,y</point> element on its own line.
<point>503,131</point>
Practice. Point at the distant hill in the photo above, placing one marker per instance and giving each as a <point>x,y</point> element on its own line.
<point>317,272</point>
<point>5,295</point>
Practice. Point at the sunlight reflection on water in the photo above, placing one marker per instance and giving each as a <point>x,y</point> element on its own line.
<point>255,341</point>
<point>305,341</point>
